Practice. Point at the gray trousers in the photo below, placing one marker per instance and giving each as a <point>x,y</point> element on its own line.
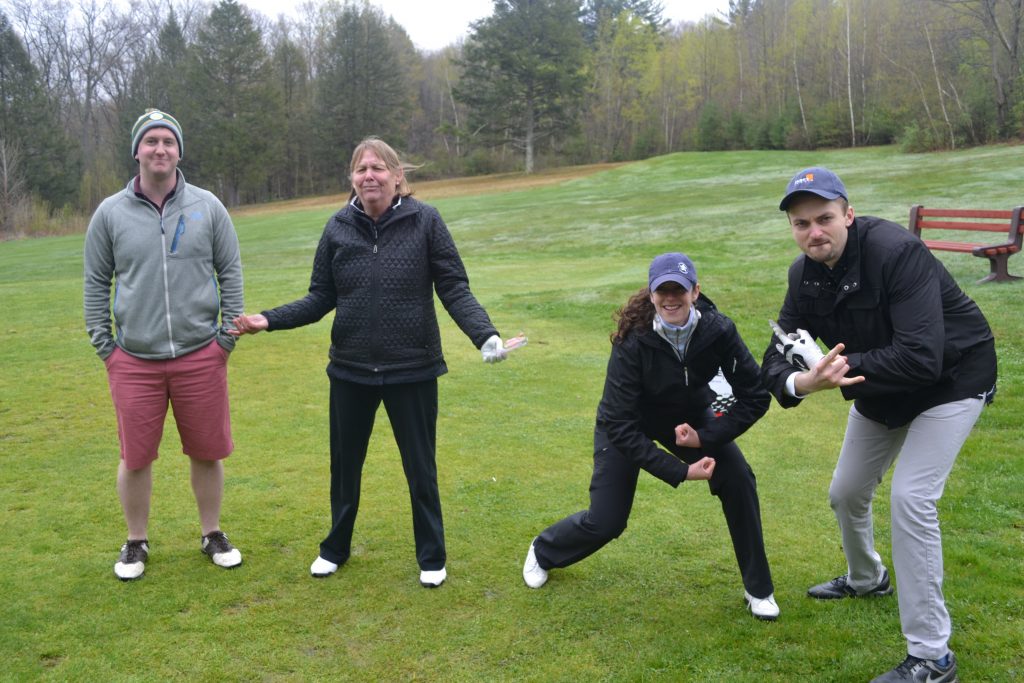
<point>927,449</point>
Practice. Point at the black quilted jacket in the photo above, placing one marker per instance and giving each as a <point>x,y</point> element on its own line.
<point>380,278</point>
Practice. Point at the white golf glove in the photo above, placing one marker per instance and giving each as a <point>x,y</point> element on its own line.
<point>493,350</point>
<point>798,347</point>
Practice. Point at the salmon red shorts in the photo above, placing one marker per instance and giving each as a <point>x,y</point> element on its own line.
<point>194,385</point>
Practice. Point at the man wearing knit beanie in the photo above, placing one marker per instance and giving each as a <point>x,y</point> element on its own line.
<point>154,118</point>
<point>171,251</point>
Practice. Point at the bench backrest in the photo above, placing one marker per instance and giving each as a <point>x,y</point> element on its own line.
<point>1009,222</point>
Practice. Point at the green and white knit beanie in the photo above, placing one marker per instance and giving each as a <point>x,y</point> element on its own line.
<point>154,118</point>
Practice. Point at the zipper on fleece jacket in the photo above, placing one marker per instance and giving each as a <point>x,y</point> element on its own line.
<point>167,286</point>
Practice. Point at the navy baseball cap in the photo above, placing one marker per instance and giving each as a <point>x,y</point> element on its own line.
<point>672,267</point>
<point>816,180</point>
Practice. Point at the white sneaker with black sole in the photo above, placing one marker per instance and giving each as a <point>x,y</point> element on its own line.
<point>433,578</point>
<point>322,568</point>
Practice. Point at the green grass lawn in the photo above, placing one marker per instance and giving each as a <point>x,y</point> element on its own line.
<point>664,602</point>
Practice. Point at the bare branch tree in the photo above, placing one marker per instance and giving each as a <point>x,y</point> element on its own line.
<point>938,87</point>
<point>917,82</point>
<point>12,185</point>
<point>1002,22</point>
<point>849,78</point>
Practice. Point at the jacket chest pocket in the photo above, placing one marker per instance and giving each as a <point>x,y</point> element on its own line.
<point>818,306</point>
<point>858,320</point>
<point>866,320</point>
<point>186,239</point>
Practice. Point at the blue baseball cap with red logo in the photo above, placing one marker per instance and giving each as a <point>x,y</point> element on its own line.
<point>816,180</point>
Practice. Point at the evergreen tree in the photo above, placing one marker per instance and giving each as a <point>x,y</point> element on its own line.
<point>598,12</point>
<point>168,79</point>
<point>159,80</point>
<point>48,161</point>
<point>235,111</point>
<point>523,72</point>
<point>362,87</point>
<point>291,174</point>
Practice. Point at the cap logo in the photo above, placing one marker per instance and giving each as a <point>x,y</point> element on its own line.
<point>683,269</point>
<point>809,178</point>
<point>155,116</point>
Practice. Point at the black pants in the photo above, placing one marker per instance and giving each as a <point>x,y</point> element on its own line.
<point>611,498</point>
<point>412,410</point>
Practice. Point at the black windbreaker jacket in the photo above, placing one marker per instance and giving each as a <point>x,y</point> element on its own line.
<point>908,327</point>
<point>648,391</point>
<point>379,279</point>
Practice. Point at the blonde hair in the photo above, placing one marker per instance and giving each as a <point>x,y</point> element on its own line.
<point>388,155</point>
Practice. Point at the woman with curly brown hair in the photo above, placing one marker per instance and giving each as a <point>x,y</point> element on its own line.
<point>671,341</point>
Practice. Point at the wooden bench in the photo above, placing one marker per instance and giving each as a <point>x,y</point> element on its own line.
<point>974,220</point>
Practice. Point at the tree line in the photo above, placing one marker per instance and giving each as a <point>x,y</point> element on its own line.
<point>272,107</point>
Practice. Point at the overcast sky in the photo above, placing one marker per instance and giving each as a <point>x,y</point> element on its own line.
<point>434,25</point>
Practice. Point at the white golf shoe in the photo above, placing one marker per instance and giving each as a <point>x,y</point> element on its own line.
<point>219,549</point>
<point>534,575</point>
<point>762,608</point>
<point>132,562</point>
<point>321,567</point>
<point>433,578</point>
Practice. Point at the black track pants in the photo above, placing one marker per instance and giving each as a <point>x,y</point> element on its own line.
<point>611,498</point>
<point>412,410</point>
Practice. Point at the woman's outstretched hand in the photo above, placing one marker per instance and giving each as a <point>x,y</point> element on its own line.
<point>249,324</point>
<point>493,350</point>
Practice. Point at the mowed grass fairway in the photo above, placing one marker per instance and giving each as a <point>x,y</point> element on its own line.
<point>554,259</point>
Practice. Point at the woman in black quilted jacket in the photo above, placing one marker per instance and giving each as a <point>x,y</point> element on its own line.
<point>378,264</point>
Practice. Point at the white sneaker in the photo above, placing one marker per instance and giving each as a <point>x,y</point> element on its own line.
<point>762,608</point>
<point>534,575</point>
<point>433,579</point>
<point>321,567</point>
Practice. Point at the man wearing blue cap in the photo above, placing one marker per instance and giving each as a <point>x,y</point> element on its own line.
<point>917,357</point>
<point>171,252</point>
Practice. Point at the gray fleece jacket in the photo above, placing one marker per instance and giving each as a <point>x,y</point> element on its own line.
<point>177,275</point>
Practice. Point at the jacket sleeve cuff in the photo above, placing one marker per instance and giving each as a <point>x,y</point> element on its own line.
<point>478,343</point>
<point>226,341</point>
<point>676,478</point>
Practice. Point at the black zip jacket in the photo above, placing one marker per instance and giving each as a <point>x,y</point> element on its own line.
<point>379,279</point>
<point>909,329</point>
<point>648,391</point>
